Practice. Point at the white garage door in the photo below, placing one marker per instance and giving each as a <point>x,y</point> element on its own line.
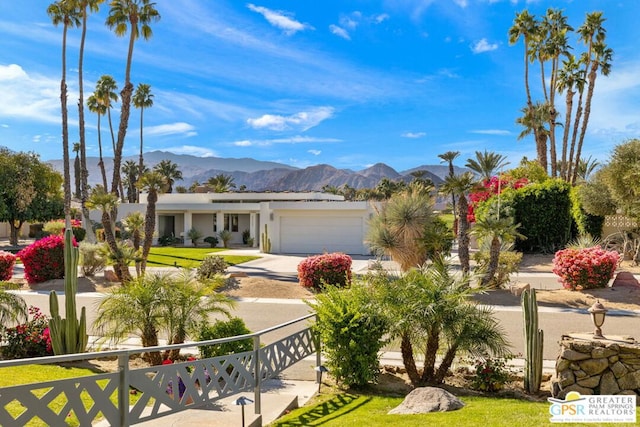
<point>317,234</point>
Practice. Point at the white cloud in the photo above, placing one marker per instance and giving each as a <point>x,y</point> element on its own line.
<point>302,121</point>
<point>171,129</point>
<point>243,143</point>
<point>413,135</point>
<point>379,19</point>
<point>461,3</point>
<point>483,45</point>
<point>314,152</point>
<point>29,96</point>
<point>279,19</point>
<point>339,31</point>
<point>192,150</point>
<point>498,132</point>
<point>298,139</point>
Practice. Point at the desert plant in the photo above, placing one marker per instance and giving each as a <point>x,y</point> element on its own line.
<point>327,269</point>
<point>193,234</point>
<point>222,329</point>
<point>44,259</point>
<point>211,266</point>
<point>69,334</point>
<point>534,341</point>
<point>167,240</point>
<point>351,331</point>
<point>12,307</point>
<point>92,258</point>
<point>490,374</point>
<point>211,240</point>
<point>53,227</point>
<point>225,236</point>
<point>586,268</point>
<point>508,263</point>
<point>266,241</point>
<point>7,261</point>
<point>246,235</point>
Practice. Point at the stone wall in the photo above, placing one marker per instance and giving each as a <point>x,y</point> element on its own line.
<point>591,366</point>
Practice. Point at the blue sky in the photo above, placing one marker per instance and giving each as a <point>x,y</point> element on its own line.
<point>348,83</point>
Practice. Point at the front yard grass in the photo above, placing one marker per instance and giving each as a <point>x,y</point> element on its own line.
<point>362,409</point>
<point>18,375</point>
<point>189,257</point>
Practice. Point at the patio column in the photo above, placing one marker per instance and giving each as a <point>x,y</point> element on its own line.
<point>188,224</point>
<point>253,228</point>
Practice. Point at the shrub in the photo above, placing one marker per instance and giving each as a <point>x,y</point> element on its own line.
<point>92,258</point>
<point>490,374</point>
<point>327,269</point>
<point>213,241</point>
<point>30,339</point>
<point>225,236</point>
<point>224,329</point>
<point>7,261</point>
<point>351,330</point>
<point>79,233</point>
<point>586,268</point>
<point>246,235</point>
<point>194,234</point>
<point>168,240</point>
<point>54,227</point>
<point>210,266</point>
<point>508,263</point>
<point>44,259</point>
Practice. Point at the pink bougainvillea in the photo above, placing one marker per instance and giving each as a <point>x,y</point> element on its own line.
<point>44,259</point>
<point>585,268</point>
<point>7,261</point>
<point>330,269</point>
<point>489,188</point>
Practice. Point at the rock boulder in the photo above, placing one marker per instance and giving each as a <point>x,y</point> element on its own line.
<point>428,399</point>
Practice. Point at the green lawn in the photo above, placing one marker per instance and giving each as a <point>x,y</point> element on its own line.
<point>354,409</point>
<point>17,375</point>
<point>168,256</point>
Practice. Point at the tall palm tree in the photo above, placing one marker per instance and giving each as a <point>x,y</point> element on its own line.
<point>96,106</point>
<point>461,185</point>
<point>449,157</point>
<point>534,120</point>
<point>593,34</point>
<point>486,163</point>
<point>134,16</point>
<point>76,170</point>
<point>106,203</point>
<point>142,98</point>
<point>107,94</point>
<point>65,13</point>
<point>221,183</point>
<point>169,170</point>
<point>130,173</point>
<point>134,225</point>
<point>153,183</point>
<point>571,79</point>
<point>525,26</point>
<point>398,227</point>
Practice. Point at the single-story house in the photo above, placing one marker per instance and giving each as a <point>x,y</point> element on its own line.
<point>296,223</point>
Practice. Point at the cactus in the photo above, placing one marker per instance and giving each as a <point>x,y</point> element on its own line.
<point>266,241</point>
<point>68,335</point>
<point>533,342</point>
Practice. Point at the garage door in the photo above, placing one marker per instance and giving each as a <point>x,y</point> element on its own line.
<point>317,234</point>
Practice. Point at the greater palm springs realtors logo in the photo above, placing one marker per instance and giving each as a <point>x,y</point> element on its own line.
<point>593,409</point>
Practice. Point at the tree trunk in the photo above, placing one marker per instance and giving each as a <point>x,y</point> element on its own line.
<point>585,120</point>
<point>149,227</point>
<point>494,260</point>
<point>120,268</point>
<point>565,135</point>
<point>407,359</point>
<point>463,234</point>
<point>431,351</point>
<point>150,339</point>
<point>446,363</point>
<point>101,160</point>
<point>15,232</point>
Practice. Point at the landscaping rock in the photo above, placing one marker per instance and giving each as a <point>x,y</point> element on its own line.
<point>518,288</point>
<point>428,399</point>
<point>624,278</point>
<point>110,276</point>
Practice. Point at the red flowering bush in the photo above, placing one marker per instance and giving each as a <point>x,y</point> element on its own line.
<point>330,269</point>
<point>586,268</point>
<point>44,259</point>
<point>30,339</point>
<point>7,261</point>
<point>490,188</point>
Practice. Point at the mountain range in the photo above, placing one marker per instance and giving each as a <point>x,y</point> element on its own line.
<point>257,175</point>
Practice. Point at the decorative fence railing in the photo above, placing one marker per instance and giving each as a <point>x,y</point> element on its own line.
<point>162,390</point>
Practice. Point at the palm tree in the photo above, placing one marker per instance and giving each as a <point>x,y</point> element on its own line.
<point>65,13</point>
<point>499,230</point>
<point>134,225</point>
<point>221,183</point>
<point>524,26</point>
<point>142,98</point>
<point>449,157</point>
<point>570,78</point>
<point>130,171</point>
<point>13,309</point>
<point>134,309</point>
<point>169,170</point>
<point>96,106</point>
<point>398,227</point>
<point>188,304</point>
<point>486,164</point>
<point>533,120</point>
<point>154,183</point>
<point>593,34</point>
<point>134,16</point>
<point>106,203</point>
<point>76,170</point>
<point>461,185</point>
<point>430,308</point>
<point>107,94</point>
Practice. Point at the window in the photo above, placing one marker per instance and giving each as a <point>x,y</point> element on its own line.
<point>231,222</point>
<point>215,223</point>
